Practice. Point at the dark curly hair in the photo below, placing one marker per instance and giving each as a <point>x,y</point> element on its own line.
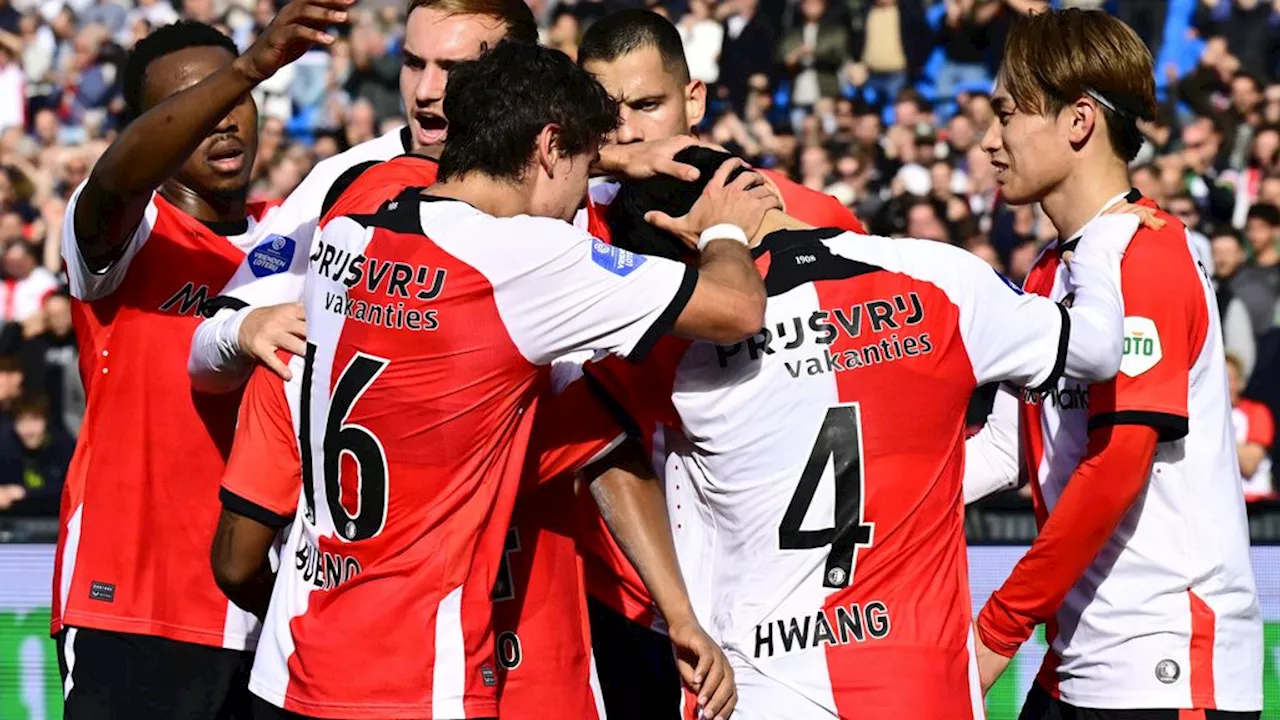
<point>164,41</point>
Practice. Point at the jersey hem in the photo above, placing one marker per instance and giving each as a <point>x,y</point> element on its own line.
<point>1233,703</point>
<point>364,710</point>
<point>140,626</point>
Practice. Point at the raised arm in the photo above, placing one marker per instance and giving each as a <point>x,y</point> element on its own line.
<point>156,144</point>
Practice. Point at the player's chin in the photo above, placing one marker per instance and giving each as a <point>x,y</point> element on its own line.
<point>225,185</point>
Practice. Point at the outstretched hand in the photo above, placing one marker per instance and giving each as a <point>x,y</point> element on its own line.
<point>297,28</point>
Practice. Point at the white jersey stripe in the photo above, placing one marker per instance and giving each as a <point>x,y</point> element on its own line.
<point>69,653</point>
<point>68,559</point>
<point>597,695</point>
<point>449,681</point>
<point>975,681</point>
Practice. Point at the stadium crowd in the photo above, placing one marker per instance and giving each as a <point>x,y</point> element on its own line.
<point>881,104</point>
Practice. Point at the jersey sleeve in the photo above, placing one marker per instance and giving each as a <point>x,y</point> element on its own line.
<point>263,479</point>
<point>638,396</point>
<point>991,456</point>
<point>1166,325</point>
<point>572,430</point>
<point>86,283</point>
<point>581,293</point>
<point>1010,336</point>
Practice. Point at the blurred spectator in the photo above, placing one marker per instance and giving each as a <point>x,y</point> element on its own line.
<point>34,457</point>
<point>813,53</point>
<point>1255,433</point>
<point>1183,207</point>
<point>703,37</point>
<point>11,378</point>
<point>25,285</point>
<point>51,364</point>
<point>746,36</point>
<point>13,97</point>
<point>1257,284</point>
<point>1237,328</point>
<point>966,42</point>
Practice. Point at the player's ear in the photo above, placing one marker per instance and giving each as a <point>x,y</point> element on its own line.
<point>695,102</point>
<point>1083,118</point>
<point>548,149</point>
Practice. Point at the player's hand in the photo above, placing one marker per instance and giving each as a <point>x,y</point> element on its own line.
<point>742,202</point>
<point>643,160</point>
<point>704,669</point>
<point>278,327</point>
<point>991,664</point>
<point>297,28</point>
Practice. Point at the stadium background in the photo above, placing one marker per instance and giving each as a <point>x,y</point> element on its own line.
<point>884,114</point>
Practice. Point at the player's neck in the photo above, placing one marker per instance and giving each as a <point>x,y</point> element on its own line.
<point>1084,193</point>
<point>487,194</point>
<point>212,208</point>
<point>776,220</point>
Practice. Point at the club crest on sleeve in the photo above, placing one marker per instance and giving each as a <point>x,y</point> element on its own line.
<point>614,259</point>
<point>272,256</point>
<point>1141,346</point>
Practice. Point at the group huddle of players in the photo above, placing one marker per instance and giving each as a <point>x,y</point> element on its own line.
<point>536,408</point>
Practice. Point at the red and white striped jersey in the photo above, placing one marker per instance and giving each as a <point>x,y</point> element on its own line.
<point>1254,424</point>
<point>431,328</point>
<point>139,505</point>
<point>611,579</point>
<point>825,456</point>
<point>1167,615</point>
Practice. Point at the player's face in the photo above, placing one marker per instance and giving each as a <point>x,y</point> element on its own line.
<point>561,181</point>
<point>1031,153</point>
<point>222,162</point>
<point>433,43</point>
<point>653,104</point>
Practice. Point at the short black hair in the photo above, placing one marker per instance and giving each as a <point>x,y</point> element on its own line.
<point>164,41</point>
<point>626,31</point>
<point>1266,213</point>
<point>498,104</point>
<point>673,196</point>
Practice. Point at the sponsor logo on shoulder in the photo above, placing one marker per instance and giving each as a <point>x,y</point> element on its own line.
<point>1141,346</point>
<point>614,259</point>
<point>102,591</point>
<point>272,256</point>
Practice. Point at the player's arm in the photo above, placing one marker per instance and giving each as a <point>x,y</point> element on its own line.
<point>259,494</point>
<point>991,456</point>
<point>728,302</point>
<point>633,506</point>
<point>153,147</point>
<point>258,312</point>
<point>584,294</point>
<point>1144,404</point>
<point>1030,341</point>
<point>1101,490</point>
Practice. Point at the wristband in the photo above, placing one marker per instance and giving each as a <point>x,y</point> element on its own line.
<point>723,231</point>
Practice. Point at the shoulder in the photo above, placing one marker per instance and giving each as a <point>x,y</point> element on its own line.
<point>1160,261</point>
<point>813,206</point>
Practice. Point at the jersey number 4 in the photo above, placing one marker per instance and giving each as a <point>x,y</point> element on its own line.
<point>342,437</point>
<point>840,441</point>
